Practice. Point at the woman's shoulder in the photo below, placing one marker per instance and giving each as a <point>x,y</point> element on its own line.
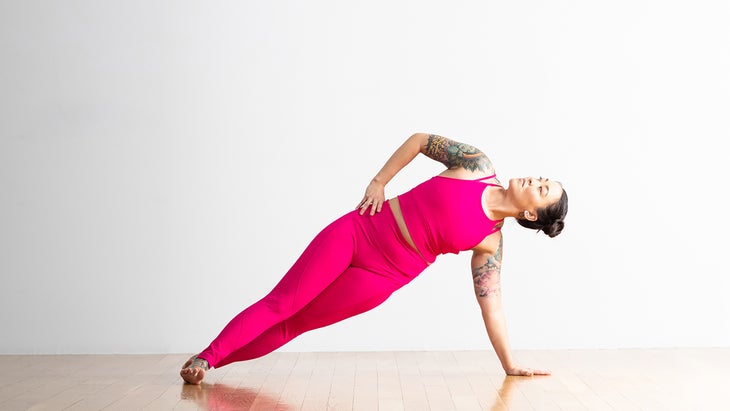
<point>461,173</point>
<point>461,159</point>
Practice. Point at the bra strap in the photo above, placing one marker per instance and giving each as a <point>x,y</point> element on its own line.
<point>485,178</point>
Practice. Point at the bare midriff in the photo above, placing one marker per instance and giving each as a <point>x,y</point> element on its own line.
<point>398,215</point>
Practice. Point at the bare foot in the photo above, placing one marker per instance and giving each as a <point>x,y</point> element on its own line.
<point>193,371</point>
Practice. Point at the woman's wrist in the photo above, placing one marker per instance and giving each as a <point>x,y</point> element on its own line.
<point>378,180</point>
<point>508,364</point>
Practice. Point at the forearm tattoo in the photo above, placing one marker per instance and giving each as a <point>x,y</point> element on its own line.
<point>487,276</point>
<point>454,154</point>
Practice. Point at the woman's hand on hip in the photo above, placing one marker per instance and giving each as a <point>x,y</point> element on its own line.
<point>374,198</point>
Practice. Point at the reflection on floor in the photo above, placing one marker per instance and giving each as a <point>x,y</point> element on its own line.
<point>661,379</point>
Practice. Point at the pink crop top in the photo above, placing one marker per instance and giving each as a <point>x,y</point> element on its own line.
<point>445,215</point>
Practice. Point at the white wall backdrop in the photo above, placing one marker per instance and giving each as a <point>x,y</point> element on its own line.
<point>162,163</point>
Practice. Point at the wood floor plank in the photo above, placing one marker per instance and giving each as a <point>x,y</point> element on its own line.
<point>595,380</point>
<point>167,400</point>
<point>519,393</point>
<point>487,394</point>
<point>343,383</point>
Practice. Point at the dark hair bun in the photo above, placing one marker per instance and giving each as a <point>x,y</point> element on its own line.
<point>554,229</point>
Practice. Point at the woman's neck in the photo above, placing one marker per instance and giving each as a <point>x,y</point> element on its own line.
<point>497,204</point>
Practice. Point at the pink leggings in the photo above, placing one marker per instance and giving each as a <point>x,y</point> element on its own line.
<point>350,267</point>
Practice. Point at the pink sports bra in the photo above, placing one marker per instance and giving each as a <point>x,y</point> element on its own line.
<point>445,215</point>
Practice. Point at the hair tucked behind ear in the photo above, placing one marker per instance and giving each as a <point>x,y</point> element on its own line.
<point>549,219</point>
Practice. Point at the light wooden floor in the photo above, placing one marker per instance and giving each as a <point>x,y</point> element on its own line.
<point>663,379</point>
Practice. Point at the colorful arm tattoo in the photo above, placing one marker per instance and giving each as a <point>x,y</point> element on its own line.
<point>454,154</point>
<point>487,276</point>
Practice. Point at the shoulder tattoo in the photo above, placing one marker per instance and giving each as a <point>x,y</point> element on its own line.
<point>487,276</point>
<point>454,154</point>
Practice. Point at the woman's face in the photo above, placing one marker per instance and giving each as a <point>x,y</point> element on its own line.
<point>531,193</point>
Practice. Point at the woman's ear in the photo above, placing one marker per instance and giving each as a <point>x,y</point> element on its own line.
<point>529,215</point>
